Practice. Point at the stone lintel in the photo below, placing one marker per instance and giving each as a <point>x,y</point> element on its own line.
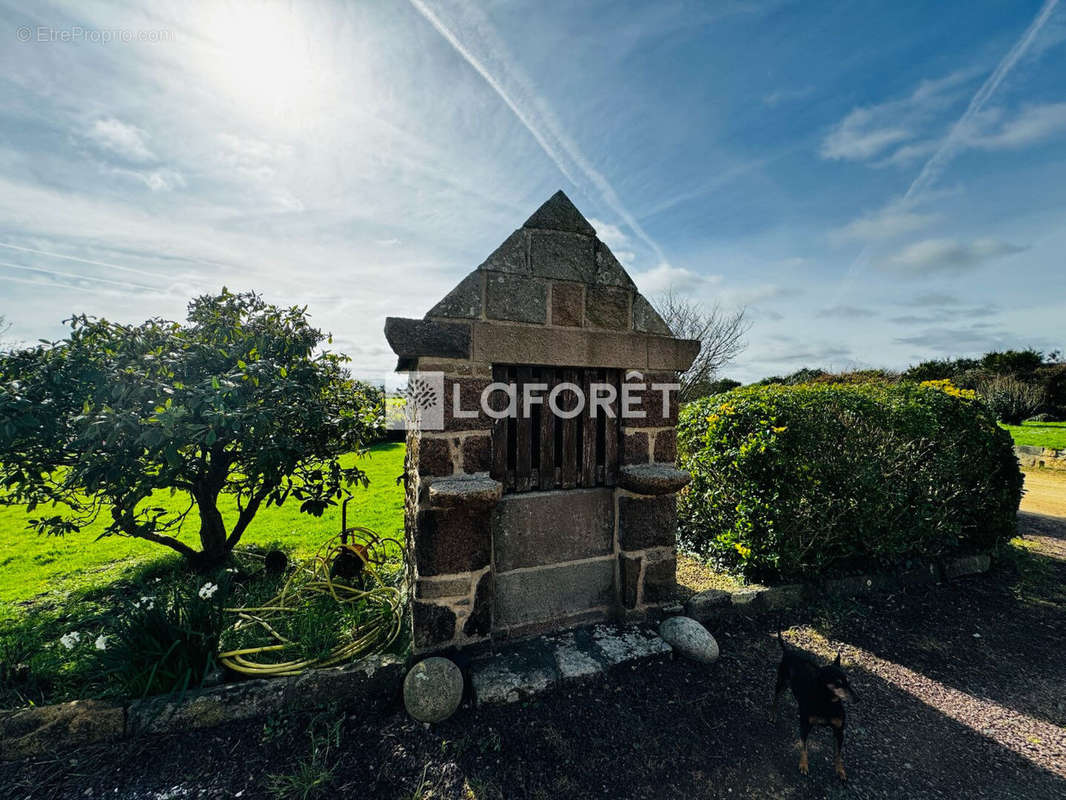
<point>569,347</point>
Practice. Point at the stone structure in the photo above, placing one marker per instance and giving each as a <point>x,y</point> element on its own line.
<point>1032,457</point>
<point>520,525</point>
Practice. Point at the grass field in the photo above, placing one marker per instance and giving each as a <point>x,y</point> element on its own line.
<point>33,565</point>
<point>1040,434</point>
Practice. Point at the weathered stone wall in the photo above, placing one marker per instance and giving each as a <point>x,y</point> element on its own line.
<point>485,563</point>
<point>1030,457</point>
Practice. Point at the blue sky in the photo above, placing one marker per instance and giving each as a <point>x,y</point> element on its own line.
<point>879,183</point>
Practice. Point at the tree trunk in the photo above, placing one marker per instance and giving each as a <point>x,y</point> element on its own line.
<point>213,546</point>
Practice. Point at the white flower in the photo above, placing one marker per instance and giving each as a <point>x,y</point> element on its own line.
<point>69,640</point>
<point>147,603</point>
<point>101,642</point>
<point>207,591</point>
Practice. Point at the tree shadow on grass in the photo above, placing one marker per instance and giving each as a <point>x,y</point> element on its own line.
<point>38,668</point>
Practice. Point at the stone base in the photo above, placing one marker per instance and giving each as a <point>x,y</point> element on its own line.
<point>536,665</point>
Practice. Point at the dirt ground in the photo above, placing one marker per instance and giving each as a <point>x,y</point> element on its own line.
<point>962,693</point>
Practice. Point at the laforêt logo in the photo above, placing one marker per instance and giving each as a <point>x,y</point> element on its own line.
<point>423,404</point>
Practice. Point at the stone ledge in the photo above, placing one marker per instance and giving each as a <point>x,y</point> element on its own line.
<point>720,604</point>
<point>537,665</point>
<point>412,338</point>
<point>471,493</point>
<point>28,732</point>
<point>653,479</point>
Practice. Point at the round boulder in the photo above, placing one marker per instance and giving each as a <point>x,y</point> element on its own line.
<point>689,639</point>
<point>433,689</point>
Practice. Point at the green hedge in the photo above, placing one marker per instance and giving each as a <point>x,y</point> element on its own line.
<point>798,482</point>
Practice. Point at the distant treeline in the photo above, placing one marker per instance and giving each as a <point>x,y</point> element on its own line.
<point>1015,384</point>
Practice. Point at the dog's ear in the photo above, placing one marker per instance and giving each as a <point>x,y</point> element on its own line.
<point>836,661</point>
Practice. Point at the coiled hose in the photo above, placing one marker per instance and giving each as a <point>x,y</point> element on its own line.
<point>381,607</point>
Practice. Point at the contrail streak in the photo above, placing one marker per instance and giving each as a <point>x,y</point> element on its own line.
<point>534,114</point>
<point>936,164</point>
<point>81,260</point>
<point>955,140</point>
<point>77,276</point>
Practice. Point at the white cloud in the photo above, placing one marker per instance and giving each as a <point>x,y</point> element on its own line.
<point>977,338</point>
<point>869,131</point>
<point>254,158</point>
<point>616,239</point>
<point>158,180</point>
<point>666,278</point>
<point>860,136</point>
<point>611,235</point>
<point>930,256</point>
<point>752,295</point>
<point>908,154</point>
<point>127,141</point>
<point>1032,125</point>
<point>888,223</point>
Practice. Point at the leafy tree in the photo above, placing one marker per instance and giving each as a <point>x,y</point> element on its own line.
<point>237,401</point>
<point>1011,400</point>
<point>802,375</point>
<point>939,369</point>
<point>720,386</point>
<point>1020,363</point>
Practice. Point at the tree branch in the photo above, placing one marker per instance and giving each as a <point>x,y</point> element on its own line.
<point>720,333</point>
<point>246,516</point>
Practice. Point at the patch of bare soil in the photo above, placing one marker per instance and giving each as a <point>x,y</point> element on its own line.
<point>1045,493</point>
<point>1042,517</point>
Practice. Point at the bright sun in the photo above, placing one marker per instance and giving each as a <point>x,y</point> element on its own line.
<point>264,58</point>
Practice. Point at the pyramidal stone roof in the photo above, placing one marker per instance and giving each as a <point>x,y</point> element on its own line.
<point>554,271</point>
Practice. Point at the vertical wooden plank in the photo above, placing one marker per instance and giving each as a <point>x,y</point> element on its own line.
<point>588,434</point>
<point>523,451</point>
<point>599,377</point>
<point>499,432</point>
<point>547,434</point>
<point>612,433</point>
<point>570,442</point>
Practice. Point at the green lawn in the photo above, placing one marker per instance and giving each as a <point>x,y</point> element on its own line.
<point>1040,434</point>
<point>33,565</point>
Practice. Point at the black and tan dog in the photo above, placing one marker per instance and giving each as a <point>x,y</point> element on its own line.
<point>820,692</point>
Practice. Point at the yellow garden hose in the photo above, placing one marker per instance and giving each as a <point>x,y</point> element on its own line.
<point>308,583</point>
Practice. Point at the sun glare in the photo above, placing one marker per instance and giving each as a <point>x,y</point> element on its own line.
<point>266,59</point>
